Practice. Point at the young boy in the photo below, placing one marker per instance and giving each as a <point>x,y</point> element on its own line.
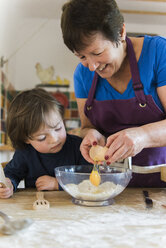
<point>37,132</point>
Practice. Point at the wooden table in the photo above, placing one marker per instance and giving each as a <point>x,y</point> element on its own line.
<point>125,224</point>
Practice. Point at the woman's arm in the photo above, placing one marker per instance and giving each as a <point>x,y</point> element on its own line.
<point>131,141</point>
<point>157,131</point>
<point>88,132</point>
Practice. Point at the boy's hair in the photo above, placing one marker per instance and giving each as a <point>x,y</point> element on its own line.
<point>83,18</point>
<point>27,113</point>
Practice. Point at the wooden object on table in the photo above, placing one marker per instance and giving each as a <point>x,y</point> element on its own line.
<point>163,173</point>
<point>40,203</point>
<point>11,227</point>
<point>4,164</point>
<point>2,185</point>
<point>3,182</point>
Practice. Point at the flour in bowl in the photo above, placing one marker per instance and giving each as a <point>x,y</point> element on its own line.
<point>87,191</point>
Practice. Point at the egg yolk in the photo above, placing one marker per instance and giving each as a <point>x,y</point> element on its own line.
<point>95,178</point>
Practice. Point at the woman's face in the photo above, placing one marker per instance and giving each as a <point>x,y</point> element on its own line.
<point>102,56</point>
<point>50,137</point>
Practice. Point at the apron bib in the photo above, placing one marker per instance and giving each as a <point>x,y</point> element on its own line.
<point>111,116</point>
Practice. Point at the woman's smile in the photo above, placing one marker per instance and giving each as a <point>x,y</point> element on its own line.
<point>101,68</point>
<point>106,71</point>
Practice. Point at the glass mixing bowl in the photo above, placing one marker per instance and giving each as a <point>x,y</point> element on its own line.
<point>74,179</point>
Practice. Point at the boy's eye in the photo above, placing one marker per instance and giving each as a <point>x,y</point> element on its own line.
<point>58,128</point>
<point>42,139</point>
<point>82,57</point>
<point>97,54</point>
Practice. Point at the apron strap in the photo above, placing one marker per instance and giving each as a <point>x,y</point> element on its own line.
<point>137,85</point>
<point>92,92</point>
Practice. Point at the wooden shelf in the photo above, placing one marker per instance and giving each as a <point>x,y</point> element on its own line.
<point>53,85</point>
<point>140,12</point>
<point>6,148</point>
<point>152,0</point>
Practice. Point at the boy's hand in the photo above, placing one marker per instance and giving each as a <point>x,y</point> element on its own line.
<point>7,191</point>
<point>47,183</point>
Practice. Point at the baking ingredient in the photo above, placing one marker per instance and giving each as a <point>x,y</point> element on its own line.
<point>87,191</point>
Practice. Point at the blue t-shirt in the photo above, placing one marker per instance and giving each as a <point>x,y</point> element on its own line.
<point>152,69</point>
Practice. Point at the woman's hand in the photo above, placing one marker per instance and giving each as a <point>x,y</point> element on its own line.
<point>93,137</point>
<point>125,143</point>
<point>47,183</point>
<point>8,191</point>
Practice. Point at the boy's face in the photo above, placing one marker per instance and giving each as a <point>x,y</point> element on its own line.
<point>50,137</point>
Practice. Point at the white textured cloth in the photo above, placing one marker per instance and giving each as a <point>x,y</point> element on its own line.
<point>125,224</point>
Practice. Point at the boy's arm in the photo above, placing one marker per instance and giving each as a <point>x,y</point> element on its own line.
<point>15,170</point>
<point>14,180</point>
<point>47,183</point>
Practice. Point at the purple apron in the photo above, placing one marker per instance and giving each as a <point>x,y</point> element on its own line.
<point>111,116</point>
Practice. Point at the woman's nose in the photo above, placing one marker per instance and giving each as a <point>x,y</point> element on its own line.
<point>92,65</point>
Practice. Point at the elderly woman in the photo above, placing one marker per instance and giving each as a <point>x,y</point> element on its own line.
<point>120,86</point>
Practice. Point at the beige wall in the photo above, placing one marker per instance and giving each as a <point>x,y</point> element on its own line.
<point>36,37</point>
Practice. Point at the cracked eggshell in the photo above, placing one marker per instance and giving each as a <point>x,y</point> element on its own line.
<point>97,153</point>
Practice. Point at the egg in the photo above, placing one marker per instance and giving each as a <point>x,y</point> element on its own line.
<point>97,153</point>
<point>95,177</point>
